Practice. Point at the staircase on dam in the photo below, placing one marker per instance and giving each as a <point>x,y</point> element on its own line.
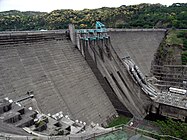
<point>60,78</point>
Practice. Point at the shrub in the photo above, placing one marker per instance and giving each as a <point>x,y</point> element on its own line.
<point>184,58</point>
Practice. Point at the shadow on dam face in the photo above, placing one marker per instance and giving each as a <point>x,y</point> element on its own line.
<point>140,45</point>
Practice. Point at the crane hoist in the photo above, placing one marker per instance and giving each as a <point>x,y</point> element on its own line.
<point>92,34</point>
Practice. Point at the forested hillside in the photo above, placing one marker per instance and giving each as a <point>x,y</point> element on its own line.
<point>134,16</point>
<point>173,49</point>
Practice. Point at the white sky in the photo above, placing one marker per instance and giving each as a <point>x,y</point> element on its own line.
<point>49,5</point>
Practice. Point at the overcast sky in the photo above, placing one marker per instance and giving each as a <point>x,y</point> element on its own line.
<point>49,5</point>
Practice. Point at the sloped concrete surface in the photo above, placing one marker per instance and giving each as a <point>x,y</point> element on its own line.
<point>8,128</point>
<point>140,45</point>
<point>59,77</point>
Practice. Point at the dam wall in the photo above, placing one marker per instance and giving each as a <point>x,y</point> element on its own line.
<point>110,65</point>
<point>139,44</point>
<point>109,60</point>
<point>60,78</point>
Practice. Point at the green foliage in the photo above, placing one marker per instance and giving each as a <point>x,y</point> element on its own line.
<point>133,16</point>
<point>184,58</point>
<point>166,52</point>
<point>173,128</point>
<point>183,36</point>
<point>185,44</point>
<point>173,38</point>
<point>119,121</point>
<point>40,123</point>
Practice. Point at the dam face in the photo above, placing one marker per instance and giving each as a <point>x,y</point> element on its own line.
<point>139,44</point>
<point>85,83</point>
<point>61,80</point>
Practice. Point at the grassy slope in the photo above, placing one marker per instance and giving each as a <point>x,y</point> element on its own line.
<point>119,121</point>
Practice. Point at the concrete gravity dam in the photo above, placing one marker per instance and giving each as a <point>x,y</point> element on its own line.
<point>50,66</point>
<point>88,78</point>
